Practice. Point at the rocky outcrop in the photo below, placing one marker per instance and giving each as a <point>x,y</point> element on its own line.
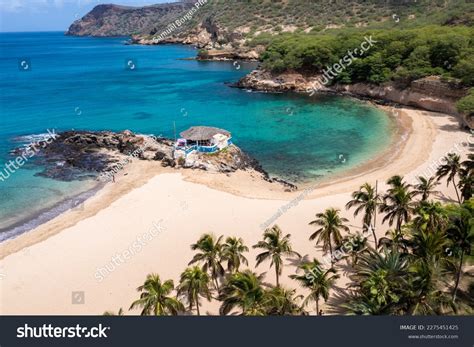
<point>166,24</point>
<point>429,93</point>
<point>76,155</point>
<point>263,80</point>
<point>226,55</point>
<point>215,43</point>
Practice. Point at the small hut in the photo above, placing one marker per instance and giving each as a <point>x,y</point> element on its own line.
<point>203,139</point>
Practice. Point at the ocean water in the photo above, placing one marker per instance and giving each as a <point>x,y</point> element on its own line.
<point>51,81</point>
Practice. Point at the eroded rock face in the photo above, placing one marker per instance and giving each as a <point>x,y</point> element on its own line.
<point>288,81</point>
<point>429,93</point>
<point>228,160</point>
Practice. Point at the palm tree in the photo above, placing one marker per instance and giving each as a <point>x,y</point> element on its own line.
<point>460,232</point>
<point>450,169</point>
<point>210,256</point>
<point>466,185</point>
<point>430,216</point>
<point>316,280</point>
<point>275,245</point>
<point>194,282</point>
<point>398,204</point>
<point>424,295</point>
<point>356,245</point>
<point>366,199</point>
<point>428,245</point>
<point>466,180</point>
<point>330,224</point>
<point>395,240</point>
<point>381,280</point>
<point>243,290</point>
<point>396,182</point>
<point>154,298</point>
<point>282,302</point>
<point>426,187</point>
<point>232,252</point>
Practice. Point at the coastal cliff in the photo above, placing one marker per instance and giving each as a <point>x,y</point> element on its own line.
<point>429,93</point>
<point>115,20</point>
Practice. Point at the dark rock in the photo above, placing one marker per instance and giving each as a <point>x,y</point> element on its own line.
<point>159,156</point>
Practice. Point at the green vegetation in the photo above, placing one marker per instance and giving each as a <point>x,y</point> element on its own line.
<point>317,14</point>
<point>194,283</point>
<point>329,232</point>
<point>155,298</point>
<point>203,54</point>
<point>274,246</point>
<point>466,104</point>
<point>416,269</point>
<point>399,55</point>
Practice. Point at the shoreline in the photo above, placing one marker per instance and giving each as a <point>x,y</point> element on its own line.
<point>253,186</point>
<point>402,128</point>
<point>47,214</point>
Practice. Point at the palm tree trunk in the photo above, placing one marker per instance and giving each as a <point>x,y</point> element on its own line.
<point>458,277</point>
<point>196,298</point>
<point>375,238</point>
<point>214,274</point>
<point>399,225</point>
<point>277,270</point>
<point>317,306</point>
<point>375,212</point>
<point>456,190</point>
<point>330,250</point>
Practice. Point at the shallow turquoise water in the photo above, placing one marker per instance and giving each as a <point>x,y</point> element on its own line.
<point>86,83</point>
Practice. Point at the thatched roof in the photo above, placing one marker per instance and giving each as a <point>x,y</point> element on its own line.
<point>201,133</point>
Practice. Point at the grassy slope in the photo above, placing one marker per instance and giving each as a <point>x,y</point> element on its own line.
<point>267,14</point>
<point>275,15</point>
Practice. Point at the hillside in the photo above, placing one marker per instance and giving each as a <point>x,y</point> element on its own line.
<point>417,39</point>
<point>228,21</point>
<point>114,20</point>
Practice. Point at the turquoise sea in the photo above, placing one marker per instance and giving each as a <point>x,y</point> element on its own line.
<point>52,81</point>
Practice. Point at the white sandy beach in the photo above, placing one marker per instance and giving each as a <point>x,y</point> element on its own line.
<point>41,269</point>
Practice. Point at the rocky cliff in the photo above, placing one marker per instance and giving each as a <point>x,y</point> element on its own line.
<point>115,20</point>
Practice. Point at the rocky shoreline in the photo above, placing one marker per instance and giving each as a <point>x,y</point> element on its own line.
<point>429,93</point>
<point>78,155</point>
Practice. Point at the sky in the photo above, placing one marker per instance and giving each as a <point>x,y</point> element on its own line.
<point>51,15</point>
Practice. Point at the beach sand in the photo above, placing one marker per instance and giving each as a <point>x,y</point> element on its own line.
<point>40,270</point>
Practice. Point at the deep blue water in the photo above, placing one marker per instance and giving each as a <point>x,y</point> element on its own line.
<point>87,83</point>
